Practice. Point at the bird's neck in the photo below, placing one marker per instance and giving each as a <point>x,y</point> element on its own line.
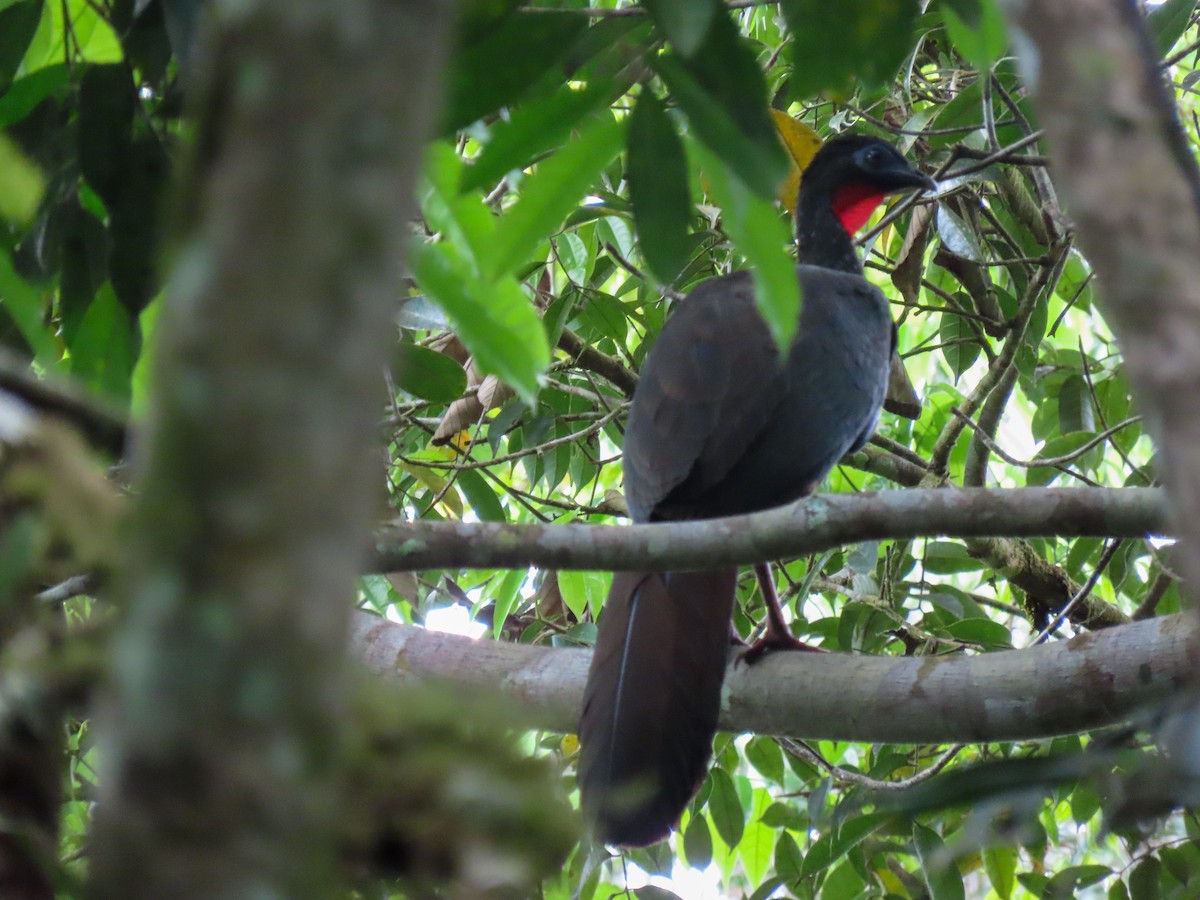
<point>824,226</point>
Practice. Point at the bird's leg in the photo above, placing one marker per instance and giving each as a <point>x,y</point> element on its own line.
<point>777,635</point>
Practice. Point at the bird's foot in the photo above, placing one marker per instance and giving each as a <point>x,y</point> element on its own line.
<point>771,642</point>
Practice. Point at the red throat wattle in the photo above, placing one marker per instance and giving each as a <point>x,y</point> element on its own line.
<point>854,204</point>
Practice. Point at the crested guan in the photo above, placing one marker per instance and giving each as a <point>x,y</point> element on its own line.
<point>720,425</point>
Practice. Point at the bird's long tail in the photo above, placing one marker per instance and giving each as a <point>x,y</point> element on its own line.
<point>652,699</point>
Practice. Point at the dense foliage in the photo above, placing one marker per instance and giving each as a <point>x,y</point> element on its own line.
<point>593,164</point>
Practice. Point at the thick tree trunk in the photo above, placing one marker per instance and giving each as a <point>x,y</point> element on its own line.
<point>1128,181</point>
<point>255,487</point>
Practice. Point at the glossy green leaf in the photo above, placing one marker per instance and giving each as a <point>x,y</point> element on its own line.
<point>503,62</point>
<point>1000,863</point>
<point>940,872</point>
<point>18,23</point>
<point>1145,882</point>
<point>726,808</point>
<point>658,188</point>
<point>832,846</point>
<point>833,43</point>
<point>722,91</point>
<point>764,754</point>
<point>957,237</point>
<point>788,858</point>
<point>697,842</point>
<point>1075,412</point>
<point>106,109</point>
<point>27,307</point>
<point>988,634</point>
<point>27,92</point>
<point>21,184</point>
<point>104,350</point>
<point>506,597</point>
<point>136,223</point>
<point>552,191</point>
<point>976,28</point>
<point>584,592</point>
<point>530,130</point>
<point>684,22</point>
<point>948,557</point>
<point>761,236</point>
<point>757,845</point>
<point>481,495</point>
<point>428,374</point>
<point>1168,21</point>
<point>495,319</point>
<point>92,37</point>
<point>960,343</point>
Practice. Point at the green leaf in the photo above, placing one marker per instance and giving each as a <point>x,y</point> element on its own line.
<point>1168,21</point>
<point>494,319</point>
<point>506,597</point>
<point>941,875</point>
<point>658,188</point>
<point>788,858</point>
<point>834,42</point>
<point>551,192</point>
<point>92,37</point>
<point>829,848</point>
<point>103,352</point>
<point>948,557</point>
<point>18,24</point>
<point>697,842</point>
<point>957,237</point>
<point>97,41</point>
<point>976,27</point>
<point>1000,863</point>
<point>106,108</point>
<point>428,374</point>
<point>584,591</point>
<point>764,754</point>
<point>1145,882</point>
<point>481,496</point>
<point>1075,411</point>
<point>1061,445</point>
<point>985,632</point>
<point>759,233</point>
<point>27,307</point>
<point>684,22</point>
<point>757,845</point>
<point>26,93</point>
<point>136,223</point>
<point>843,882</point>
<point>504,61</point>
<point>723,93</point>
<point>21,184</point>
<point>960,343</point>
<point>531,130</point>
<point>725,808</point>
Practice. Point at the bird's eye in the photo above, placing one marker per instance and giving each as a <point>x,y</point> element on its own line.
<point>873,157</point>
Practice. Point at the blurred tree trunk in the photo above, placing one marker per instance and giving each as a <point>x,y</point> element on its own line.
<point>1126,174</point>
<point>255,485</point>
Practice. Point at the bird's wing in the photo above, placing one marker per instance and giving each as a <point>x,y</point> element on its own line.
<point>706,391</point>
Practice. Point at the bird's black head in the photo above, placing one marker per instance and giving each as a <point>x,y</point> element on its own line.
<point>852,174</point>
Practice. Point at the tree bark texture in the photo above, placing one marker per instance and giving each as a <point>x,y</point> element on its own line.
<point>1059,688</point>
<point>810,526</point>
<point>256,484</point>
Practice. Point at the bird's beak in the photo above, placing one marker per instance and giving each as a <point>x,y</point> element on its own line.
<point>910,179</point>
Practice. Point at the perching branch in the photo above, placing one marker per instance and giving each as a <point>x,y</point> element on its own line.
<point>1013,695</point>
<point>811,526</point>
